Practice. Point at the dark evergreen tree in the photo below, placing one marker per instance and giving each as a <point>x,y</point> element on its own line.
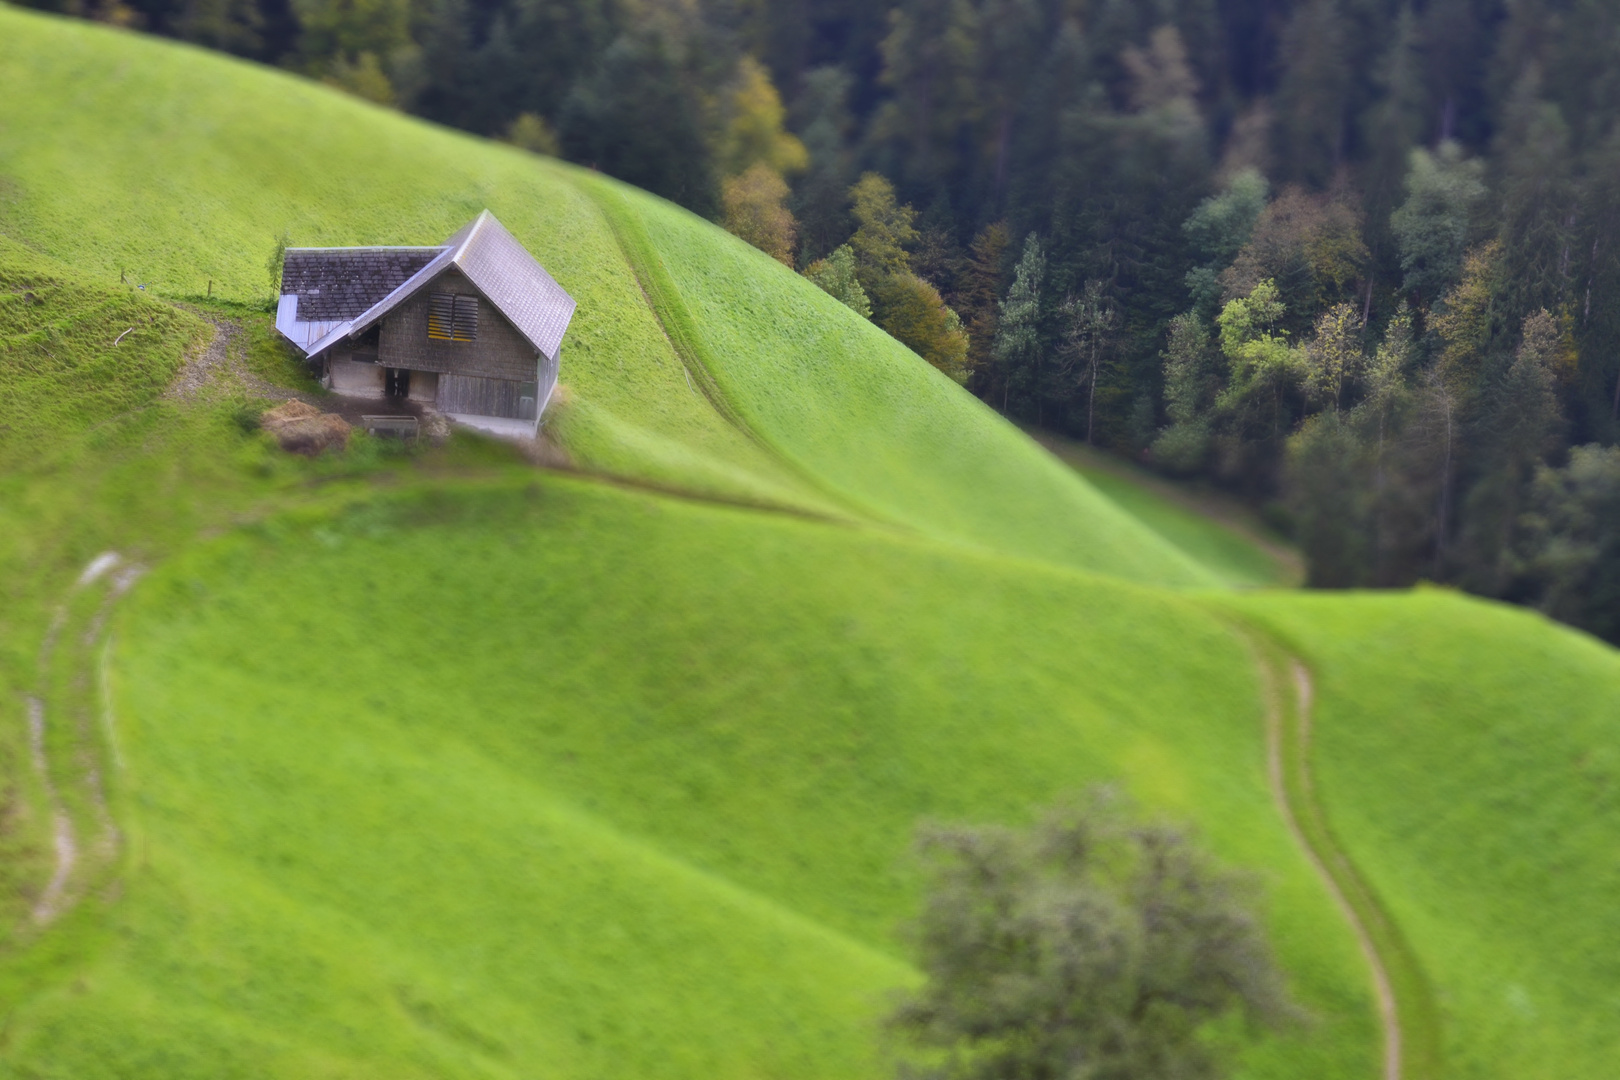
<point>1538,208</point>
<point>978,292</point>
<point>1314,98</point>
<point>1217,231</point>
<point>1572,541</point>
<point>1519,426</point>
<point>1396,120</point>
<point>1191,382</point>
<point>1328,496</point>
<point>1433,226</point>
<point>633,118</point>
<point>821,201</point>
<point>1020,350</point>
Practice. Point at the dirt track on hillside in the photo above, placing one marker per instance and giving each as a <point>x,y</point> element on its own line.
<point>220,364</point>
<point>1276,717</point>
<point>70,861</point>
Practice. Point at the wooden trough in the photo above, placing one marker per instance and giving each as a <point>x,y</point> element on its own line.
<point>399,427</point>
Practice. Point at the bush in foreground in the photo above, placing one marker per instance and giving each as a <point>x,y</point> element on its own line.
<point>1086,946</point>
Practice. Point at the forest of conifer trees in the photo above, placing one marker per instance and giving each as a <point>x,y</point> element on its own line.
<point>1358,260</point>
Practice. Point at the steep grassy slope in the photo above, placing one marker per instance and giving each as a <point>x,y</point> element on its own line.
<point>63,387</point>
<point>615,785</point>
<point>1467,756</point>
<point>1214,529</point>
<point>77,355</point>
<point>872,422</point>
<point>68,389</point>
<point>93,455</point>
<point>178,167</point>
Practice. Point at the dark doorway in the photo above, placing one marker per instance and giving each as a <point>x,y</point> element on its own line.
<point>398,382</point>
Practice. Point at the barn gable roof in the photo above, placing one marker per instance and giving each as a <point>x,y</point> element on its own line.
<point>383,278</point>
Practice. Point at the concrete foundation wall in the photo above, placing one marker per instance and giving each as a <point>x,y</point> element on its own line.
<point>425,386</point>
<point>356,379</point>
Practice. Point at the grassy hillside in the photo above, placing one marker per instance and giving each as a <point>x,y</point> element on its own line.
<point>96,454</point>
<point>616,783</point>
<point>91,180</point>
<point>1466,754</point>
<point>426,763</point>
<point>1216,530</point>
<point>875,425</point>
<point>78,355</point>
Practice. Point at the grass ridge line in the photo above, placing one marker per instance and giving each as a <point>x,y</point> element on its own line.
<point>664,300</point>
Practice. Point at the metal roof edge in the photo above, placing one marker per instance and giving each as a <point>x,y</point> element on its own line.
<point>332,337</point>
<point>373,247</point>
<point>287,319</point>
<point>463,236</point>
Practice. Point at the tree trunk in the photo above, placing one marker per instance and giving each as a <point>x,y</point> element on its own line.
<point>1380,506</point>
<point>1444,509</point>
<point>1091,398</point>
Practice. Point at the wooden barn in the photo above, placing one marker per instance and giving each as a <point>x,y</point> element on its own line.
<point>472,327</point>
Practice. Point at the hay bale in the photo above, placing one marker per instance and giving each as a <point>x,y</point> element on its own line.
<point>303,429</point>
<point>292,409</point>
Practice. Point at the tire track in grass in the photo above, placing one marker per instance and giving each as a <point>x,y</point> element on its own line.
<point>1407,1013</point>
<point>1383,988</point>
<point>64,846</point>
<point>57,897</point>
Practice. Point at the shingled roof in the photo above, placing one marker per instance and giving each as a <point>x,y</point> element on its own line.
<point>339,283</point>
<point>380,279</point>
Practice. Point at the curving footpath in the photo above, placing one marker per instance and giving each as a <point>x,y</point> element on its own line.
<point>1383,989</point>
<point>1407,1012</point>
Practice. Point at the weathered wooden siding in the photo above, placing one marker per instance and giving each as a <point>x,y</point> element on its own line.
<point>499,353</point>
<point>488,397</point>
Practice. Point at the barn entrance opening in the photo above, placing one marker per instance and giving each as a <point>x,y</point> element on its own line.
<point>397,383</point>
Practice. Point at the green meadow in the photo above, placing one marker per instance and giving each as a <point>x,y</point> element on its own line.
<point>1218,531</point>
<point>426,762</point>
<point>1466,754</point>
<point>621,783</point>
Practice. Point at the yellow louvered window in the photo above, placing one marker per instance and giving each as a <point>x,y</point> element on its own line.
<point>441,317</point>
<point>452,318</point>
